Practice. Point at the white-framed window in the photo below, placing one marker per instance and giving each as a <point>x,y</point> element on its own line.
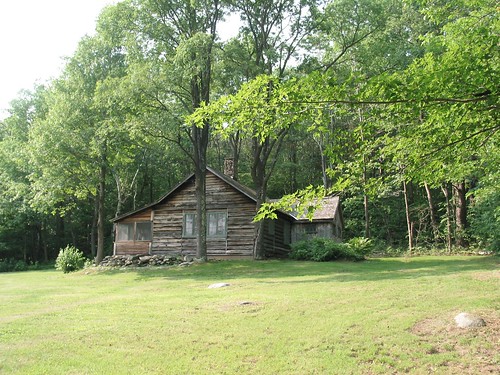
<point>216,224</point>
<point>136,231</point>
<point>189,228</point>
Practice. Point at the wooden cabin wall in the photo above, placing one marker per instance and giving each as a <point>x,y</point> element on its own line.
<point>133,247</point>
<point>167,225</point>
<point>274,238</point>
<point>308,230</point>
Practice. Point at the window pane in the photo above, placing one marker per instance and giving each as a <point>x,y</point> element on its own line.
<point>125,232</point>
<point>189,225</point>
<point>216,224</point>
<point>311,228</point>
<point>143,231</point>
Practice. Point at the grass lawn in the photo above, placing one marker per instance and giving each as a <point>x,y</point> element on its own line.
<point>276,317</point>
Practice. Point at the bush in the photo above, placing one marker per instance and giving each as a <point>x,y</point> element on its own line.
<point>323,250</point>
<point>13,265</point>
<point>361,245</point>
<point>70,259</point>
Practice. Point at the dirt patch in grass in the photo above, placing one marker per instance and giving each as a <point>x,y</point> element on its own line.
<point>476,349</point>
<point>486,276</point>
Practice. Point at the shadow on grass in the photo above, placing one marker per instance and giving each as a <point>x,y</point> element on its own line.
<point>369,270</point>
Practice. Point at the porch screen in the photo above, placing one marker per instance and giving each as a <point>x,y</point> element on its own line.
<point>125,232</point>
<point>143,231</point>
<point>140,231</point>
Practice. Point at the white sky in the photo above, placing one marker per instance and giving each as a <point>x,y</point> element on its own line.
<point>35,35</point>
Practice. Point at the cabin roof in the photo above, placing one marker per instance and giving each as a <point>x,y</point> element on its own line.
<point>250,193</point>
<point>325,211</point>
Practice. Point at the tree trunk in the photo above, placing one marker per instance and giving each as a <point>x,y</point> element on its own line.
<point>326,180</point>
<point>201,213</point>
<point>259,250</point>
<point>93,230</point>
<point>235,142</point>
<point>460,191</point>
<point>259,179</point>
<point>432,213</point>
<point>365,180</point>
<point>446,193</point>
<point>60,233</point>
<point>44,242</point>
<point>408,218</point>
<point>101,213</point>
<point>367,216</point>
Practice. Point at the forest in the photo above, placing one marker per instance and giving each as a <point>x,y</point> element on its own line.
<point>391,104</point>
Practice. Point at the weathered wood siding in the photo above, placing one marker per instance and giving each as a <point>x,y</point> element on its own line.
<point>168,221</point>
<point>276,241</point>
<point>308,230</point>
<point>167,230</point>
<point>133,247</point>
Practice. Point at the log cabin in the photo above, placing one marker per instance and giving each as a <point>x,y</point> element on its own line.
<point>168,226</point>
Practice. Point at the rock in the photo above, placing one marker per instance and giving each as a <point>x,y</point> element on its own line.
<point>218,285</point>
<point>466,320</point>
<point>243,303</point>
<point>142,260</point>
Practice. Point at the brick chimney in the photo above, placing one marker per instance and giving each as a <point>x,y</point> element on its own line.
<point>229,167</point>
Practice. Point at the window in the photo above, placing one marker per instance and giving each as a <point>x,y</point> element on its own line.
<point>311,228</point>
<point>125,232</point>
<point>140,231</point>
<point>216,224</point>
<point>143,231</point>
<point>189,225</point>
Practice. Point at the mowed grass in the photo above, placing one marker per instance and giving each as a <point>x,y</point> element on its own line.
<point>276,317</point>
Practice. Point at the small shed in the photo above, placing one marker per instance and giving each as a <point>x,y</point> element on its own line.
<point>327,222</point>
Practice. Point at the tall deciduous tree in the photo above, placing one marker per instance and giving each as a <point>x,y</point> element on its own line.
<point>73,146</point>
<point>176,40</point>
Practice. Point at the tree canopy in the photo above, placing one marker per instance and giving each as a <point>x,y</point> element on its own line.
<point>391,104</point>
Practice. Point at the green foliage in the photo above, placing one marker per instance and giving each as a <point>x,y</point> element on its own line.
<point>70,259</point>
<point>304,202</point>
<point>14,265</point>
<point>361,245</point>
<point>485,221</point>
<point>324,250</point>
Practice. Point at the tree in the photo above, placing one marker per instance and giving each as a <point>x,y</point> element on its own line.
<point>176,40</point>
<point>22,229</point>
<point>73,147</point>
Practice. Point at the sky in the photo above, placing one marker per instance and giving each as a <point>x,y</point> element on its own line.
<point>35,36</point>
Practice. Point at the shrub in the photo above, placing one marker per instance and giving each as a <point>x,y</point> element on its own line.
<point>70,259</point>
<point>323,250</point>
<point>7,265</point>
<point>13,265</point>
<point>361,245</point>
